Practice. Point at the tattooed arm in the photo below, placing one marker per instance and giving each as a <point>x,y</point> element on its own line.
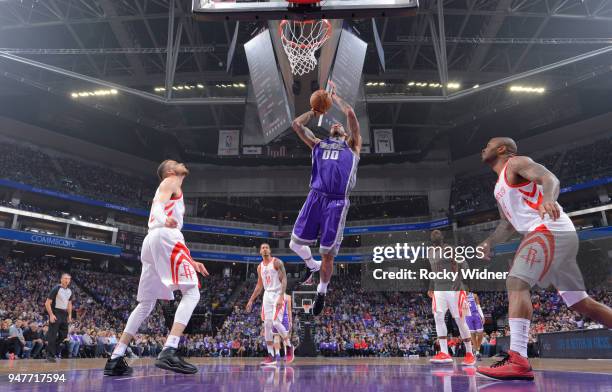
<point>299,126</point>
<point>282,275</point>
<point>354,139</point>
<point>526,168</point>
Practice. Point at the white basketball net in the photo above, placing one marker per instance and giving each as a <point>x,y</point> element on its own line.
<point>301,40</point>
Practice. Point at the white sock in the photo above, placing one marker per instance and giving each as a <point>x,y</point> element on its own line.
<point>304,252</point>
<point>271,350</point>
<point>119,350</point>
<point>287,343</point>
<point>468,347</point>
<point>519,335</point>
<point>276,351</point>
<point>443,345</point>
<point>313,264</point>
<point>322,288</point>
<point>172,341</point>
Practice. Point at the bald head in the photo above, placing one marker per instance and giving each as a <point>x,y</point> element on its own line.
<point>498,147</point>
<point>437,237</point>
<point>507,142</point>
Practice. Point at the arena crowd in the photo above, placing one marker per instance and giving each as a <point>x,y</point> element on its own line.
<point>355,322</point>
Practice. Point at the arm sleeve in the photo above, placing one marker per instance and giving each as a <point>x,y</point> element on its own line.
<point>53,293</point>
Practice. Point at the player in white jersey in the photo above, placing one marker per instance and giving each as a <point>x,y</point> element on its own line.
<point>272,279</point>
<point>526,193</point>
<point>447,295</point>
<point>166,266</point>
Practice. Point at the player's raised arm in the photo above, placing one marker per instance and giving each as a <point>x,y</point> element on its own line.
<point>532,171</point>
<point>257,291</point>
<point>299,126</point>
<point>354,140</point>
<point>502,233</point>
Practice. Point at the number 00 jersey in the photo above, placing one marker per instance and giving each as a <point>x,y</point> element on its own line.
<point>334,168</point>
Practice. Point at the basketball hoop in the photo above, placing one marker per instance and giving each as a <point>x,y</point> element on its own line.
<point>301,39</point>
<point>307,308</point>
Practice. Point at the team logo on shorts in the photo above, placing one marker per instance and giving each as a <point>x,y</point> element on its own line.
<point>181,255</point>
<point>541,240</point>
<point>531,257</point>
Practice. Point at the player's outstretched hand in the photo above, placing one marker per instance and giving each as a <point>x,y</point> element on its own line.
<point>486,250</point>
<point>199,267</point>
<point>333,88</point>
<point>171,222</point>
<point>549,208</point>
<point>249,306</point>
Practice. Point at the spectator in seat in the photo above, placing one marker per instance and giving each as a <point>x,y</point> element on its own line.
<point>4,334</point>
<point>33,336</point>
<point>74,344</point>
<point>89,347</point>
<point>15,341</point>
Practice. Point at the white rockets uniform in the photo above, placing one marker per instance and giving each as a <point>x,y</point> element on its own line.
<point>547,253</point>
<point>455,301</point>
<point>272,290</point>
<point>447,295</point>
<point>166,262</point>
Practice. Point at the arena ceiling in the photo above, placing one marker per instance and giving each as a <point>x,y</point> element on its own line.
<point>126,42</point>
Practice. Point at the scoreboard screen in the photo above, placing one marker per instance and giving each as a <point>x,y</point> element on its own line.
<point>268,87</point>
<point>346,75</point>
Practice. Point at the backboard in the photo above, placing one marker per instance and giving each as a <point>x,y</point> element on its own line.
<point>280,9</point>
<point>303,300</point>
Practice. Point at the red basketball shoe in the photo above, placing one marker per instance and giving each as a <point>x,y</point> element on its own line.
<point>469,360</point>
<point>441,358</point>
<point>289,354</point>
<point>268,361</point>
<point>512,367</point>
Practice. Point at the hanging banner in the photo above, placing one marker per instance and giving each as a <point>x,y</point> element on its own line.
<point>383,141</point>
<point>229,142</point>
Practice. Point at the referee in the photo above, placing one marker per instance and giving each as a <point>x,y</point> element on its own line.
<point>59,308</point>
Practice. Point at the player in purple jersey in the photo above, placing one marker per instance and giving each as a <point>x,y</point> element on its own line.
<point>278,340</point>
<point>475,321</point>
<point>334,169</point>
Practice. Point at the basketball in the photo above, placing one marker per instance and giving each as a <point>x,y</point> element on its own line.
<point>321,101</point>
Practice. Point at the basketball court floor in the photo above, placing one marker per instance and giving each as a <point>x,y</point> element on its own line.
<point>307,374</point>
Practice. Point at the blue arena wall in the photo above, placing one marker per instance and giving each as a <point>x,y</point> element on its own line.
<point>53,241</point>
